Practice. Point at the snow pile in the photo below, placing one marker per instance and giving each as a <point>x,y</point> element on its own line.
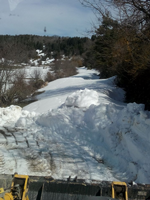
<point>40,55</point>
<point>9,115</point>
<point>82,98</point>
<point>13,116</point>
<point>123,137</point>
<point>25,118</point>
<point>84,132</point>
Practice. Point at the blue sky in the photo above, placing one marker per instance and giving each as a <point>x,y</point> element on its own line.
<point>60,17</point>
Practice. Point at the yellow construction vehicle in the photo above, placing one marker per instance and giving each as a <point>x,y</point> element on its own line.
<point>119,190</point>
<point>19,189</point>
<point>46,188</point>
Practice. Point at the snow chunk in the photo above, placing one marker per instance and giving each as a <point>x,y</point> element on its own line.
<point>9,115</point>
<point>25,119</point>
<point>82,98</point>
<point>21,122</point>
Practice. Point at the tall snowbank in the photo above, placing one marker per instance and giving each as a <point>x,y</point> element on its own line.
<point>90,135</point>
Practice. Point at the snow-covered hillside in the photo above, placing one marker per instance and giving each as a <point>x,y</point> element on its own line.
<point>78,127</point>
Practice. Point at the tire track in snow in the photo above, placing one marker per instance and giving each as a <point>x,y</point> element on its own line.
<point>51,152</point>
<point>2,163</point>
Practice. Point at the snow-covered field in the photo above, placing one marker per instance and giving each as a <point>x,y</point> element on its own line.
<point>78,127</point>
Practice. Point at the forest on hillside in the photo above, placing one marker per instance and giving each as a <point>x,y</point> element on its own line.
<point>21,48</point>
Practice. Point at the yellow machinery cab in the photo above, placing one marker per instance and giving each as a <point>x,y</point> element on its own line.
<point>119,190</point>
<point>20,184</point>
<point>19,189</point>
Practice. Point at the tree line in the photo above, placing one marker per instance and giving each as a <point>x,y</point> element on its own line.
<point>121,45</point>
<point>21,48</point>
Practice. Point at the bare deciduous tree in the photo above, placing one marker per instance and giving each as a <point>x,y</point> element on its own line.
<point>132,12</point>
<point>13,85</point>
<point>100,8</point>
<point>36,79</point>
<point>6,74</point>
